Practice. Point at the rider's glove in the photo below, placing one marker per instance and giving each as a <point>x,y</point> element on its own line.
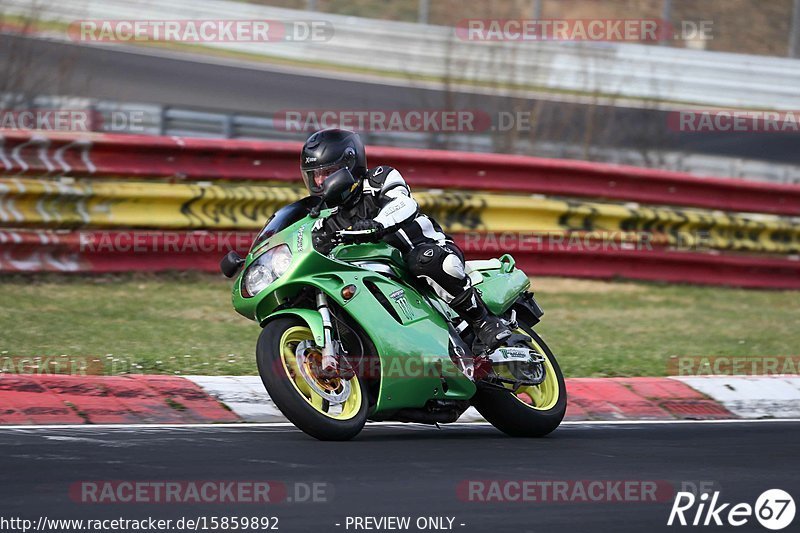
<point>367,224</point>
<point>374,228</point>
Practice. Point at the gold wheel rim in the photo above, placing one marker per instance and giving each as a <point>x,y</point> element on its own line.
<point>288,346</point>
<point>541,397</point>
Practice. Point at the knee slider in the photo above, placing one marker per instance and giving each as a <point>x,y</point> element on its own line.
<point>424,258</point>
<point>453,266</point>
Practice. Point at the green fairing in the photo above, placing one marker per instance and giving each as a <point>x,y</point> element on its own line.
<point>312,318</point>
<point>412,339</point>
<point>500,289</point>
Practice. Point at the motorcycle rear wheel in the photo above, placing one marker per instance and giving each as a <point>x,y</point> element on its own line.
<point>532,411</point>
<point>295,392</point>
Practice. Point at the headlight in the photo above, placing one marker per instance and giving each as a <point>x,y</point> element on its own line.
<point>267,268</point>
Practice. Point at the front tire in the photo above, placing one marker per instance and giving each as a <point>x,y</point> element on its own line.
<point>295,392</point>
<point>533,411</point>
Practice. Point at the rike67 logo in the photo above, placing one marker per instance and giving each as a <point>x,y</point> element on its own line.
<point>774,509</point>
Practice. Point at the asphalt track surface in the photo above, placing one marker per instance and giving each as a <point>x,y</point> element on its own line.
<point>186,80</point>
<point>402,470</point>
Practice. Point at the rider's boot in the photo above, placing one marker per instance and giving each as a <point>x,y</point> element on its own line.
<point>489,329</point>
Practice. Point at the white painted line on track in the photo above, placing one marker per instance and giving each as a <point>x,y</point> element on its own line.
<point>574,423</point>
<point>751,396</point>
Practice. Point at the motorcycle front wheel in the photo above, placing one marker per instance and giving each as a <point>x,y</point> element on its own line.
<point>326,409</point>
<point>531,411</point>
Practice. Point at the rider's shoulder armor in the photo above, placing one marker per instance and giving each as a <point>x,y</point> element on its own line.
<point>377,176</point>
<point>382,178</point>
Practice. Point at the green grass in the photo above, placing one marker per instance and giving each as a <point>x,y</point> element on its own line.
<point>184,324</point>
<point>631,329</point>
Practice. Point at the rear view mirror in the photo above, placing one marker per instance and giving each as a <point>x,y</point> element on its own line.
<point>337,187</point>
<point>335,190</point>
<point>231,264</point>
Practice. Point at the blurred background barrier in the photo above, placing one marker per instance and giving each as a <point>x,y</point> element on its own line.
<point>621,70</point>
<point>102,203</point>
<point>26,202</point>
<point>180,121</point>
<point>192,159</point>
<point>603,101</point>
<point>146,251</point>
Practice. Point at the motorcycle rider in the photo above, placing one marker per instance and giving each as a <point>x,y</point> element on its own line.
<point>381,201</point>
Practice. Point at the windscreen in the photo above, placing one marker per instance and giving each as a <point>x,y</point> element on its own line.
<point>283,218</point>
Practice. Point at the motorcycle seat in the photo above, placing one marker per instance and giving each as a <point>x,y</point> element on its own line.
<point>474,268</point>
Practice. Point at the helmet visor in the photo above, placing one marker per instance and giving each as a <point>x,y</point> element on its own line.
<point>315,177</point>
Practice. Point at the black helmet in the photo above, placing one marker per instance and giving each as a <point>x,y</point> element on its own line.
<point>327,151</point>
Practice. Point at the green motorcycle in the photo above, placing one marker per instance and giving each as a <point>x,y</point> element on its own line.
<point>349,335</point>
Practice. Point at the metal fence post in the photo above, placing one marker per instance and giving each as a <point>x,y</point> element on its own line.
<point>537,9</point>
<point>424,10</point>
<point>162,120</point>
<point>794,31</point>
<point>311,5</point>
<point>666,20</point>
<point>228,127</point>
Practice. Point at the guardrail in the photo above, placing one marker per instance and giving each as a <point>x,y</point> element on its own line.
<point>407,50</point>
<point>153,119</point>
<point>66,200</point>
<point>138,156</point>
<point>46,203</point>
<point>109,252</point>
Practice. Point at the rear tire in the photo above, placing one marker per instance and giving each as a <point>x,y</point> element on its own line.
<point>293,396</point>
<point>516,418</point>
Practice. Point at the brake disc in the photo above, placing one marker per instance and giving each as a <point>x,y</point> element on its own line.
<point>532,372</point>
<point>335,390</point>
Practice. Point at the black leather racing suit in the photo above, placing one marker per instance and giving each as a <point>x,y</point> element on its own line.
<point>429,253</point>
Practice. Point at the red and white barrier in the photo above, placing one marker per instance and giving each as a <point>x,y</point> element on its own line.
<point>177,158</point>
<point>119,251</point>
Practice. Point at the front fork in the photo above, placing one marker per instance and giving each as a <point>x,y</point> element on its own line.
<point>332,350</point>
<point>329,360</point>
